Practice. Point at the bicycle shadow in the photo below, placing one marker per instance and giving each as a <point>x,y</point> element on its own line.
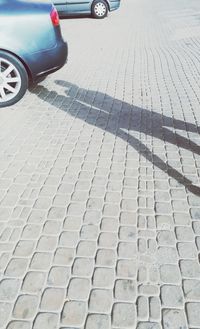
<point>119,118</point>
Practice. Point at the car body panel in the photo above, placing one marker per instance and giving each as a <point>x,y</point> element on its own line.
<point>36,41</point>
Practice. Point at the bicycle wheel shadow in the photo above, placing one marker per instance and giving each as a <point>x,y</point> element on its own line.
<point>121,119</point>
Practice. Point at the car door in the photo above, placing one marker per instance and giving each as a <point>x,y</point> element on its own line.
<point>78,6</point>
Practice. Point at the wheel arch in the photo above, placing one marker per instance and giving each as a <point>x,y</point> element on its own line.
<point>29,73</point>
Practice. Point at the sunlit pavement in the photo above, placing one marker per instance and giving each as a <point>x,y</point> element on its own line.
<point>99,178</point>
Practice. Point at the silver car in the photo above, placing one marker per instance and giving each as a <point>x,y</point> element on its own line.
<point>96,8</point>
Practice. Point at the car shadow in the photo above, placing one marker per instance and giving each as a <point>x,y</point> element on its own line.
<point>126,122</point>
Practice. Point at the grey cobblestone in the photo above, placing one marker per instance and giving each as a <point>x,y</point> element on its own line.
<point>19,325</point>
<point>79,289</point>
<point>9,289</point>
<point>33,282</point>
<point>97,321</point>
<point>73,313</point>
<point>25,307</point>
<point>59,276</point>
<point>45,319</point>
<point>172,296</point>
<point>193,314</point>
<point>123,315</point>
<point>174,318</point>
<point>100,301</point>
<point>52,299</point>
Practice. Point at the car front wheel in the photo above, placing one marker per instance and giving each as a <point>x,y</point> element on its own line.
<point>99,9</point>
<point>13,79</point>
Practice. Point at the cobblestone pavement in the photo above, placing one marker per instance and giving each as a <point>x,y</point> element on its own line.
<point>100,178</point>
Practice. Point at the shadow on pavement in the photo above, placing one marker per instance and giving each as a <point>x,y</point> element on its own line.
<point>119,118</point>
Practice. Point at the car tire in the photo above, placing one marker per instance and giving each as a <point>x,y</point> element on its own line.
<point>99,9</point>
<point>13,79</point>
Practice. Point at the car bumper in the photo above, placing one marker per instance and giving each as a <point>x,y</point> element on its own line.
<point>48,61</point>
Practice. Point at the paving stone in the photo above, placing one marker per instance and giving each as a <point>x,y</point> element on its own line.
<point>83,267</point>
<point>43,203</point>
<point>128,218</point>
<point>126,268</point>
<point>64,256</point>
<point>126,250</point>
<point>129,205</point>
<point>52,299</point>
<point>109,224</point>
<point>149,289</point>
<point>92,217</point>
<point>56,213</point>
<point>19,325</point>
<point>86,248</point>
<point>164,222</point>
<point>89,232</point>
<point>16,267</point>
<point>184,233</point>
<point>5,310</point>
<point>193,314</point>
<point>9,289</point>
<point>33,282</point>
<point>106,257</point>
<point>78,289</point>
<point>100,301</point>
<point>123,315</point>
<point>196,227</point>
<point>95,203</point>
<point>103,277</point>
<point>41,260</point>
<point>59,276</point>
<point>167,255</point>
<point>108,240</point>
<point>190,269</point>
<point>163,208</point>
<point>155,309</point>
<point>127,233</point>
<point>76,209</point>
<point>181,218</point>
<point>187,250</point>
<point>170,273</point>
<point>142,308</point>
<point>31,231</point>
<point>113,197</point>
<point>148,325</point>
<point>111,210</point>
<point>73,313</point>
<point>72,223</point>
<point>166,238</point>
<point>25,307</point>
<point>97,321</point>
<point>191,289</point>
<point>174,319</point>
<point>69,239</point>
<point>24,248</point>
<point>52,227</point>
<point>172,296</point>
<point>46,320</point>
<point>125,290</point>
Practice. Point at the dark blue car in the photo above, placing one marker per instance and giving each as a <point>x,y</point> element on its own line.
<point>31,46</point>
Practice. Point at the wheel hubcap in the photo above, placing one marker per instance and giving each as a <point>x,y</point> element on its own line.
<point>100,9</point>
<point>10,80</point>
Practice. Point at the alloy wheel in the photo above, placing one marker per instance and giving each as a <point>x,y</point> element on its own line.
<point>10,80</point>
